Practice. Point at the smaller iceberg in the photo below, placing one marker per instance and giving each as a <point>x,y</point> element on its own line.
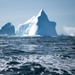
<point>8,29</point>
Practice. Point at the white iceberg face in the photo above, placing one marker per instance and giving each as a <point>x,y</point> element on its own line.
<point>38,25</point>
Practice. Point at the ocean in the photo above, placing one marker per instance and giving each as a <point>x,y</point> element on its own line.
<point>37,55</point>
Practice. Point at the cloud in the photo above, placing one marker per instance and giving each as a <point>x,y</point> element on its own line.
<point>69,31</point>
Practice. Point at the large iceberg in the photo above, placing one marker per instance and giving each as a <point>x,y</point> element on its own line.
<point>8,29</point>
<point>38,25</point>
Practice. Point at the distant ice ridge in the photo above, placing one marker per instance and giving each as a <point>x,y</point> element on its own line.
<point>70,31</point>
<point>38,25</point>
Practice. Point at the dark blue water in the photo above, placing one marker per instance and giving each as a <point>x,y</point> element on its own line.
<point>37,55</point>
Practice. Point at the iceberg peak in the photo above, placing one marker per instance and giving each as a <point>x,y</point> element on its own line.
<point>9,23</point>
<point>41,13</point>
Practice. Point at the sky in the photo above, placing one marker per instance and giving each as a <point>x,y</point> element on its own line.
<point>19,11</point>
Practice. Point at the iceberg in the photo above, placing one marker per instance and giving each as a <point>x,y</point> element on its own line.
<point>8,29</point>
<point>38,25</point>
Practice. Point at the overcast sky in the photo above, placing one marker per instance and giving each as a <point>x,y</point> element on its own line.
<point>19,11</point>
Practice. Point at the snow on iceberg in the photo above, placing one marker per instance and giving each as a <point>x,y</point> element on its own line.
<point>38,25</point>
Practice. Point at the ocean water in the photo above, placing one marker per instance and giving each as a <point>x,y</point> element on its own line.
<point>37,55</point>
